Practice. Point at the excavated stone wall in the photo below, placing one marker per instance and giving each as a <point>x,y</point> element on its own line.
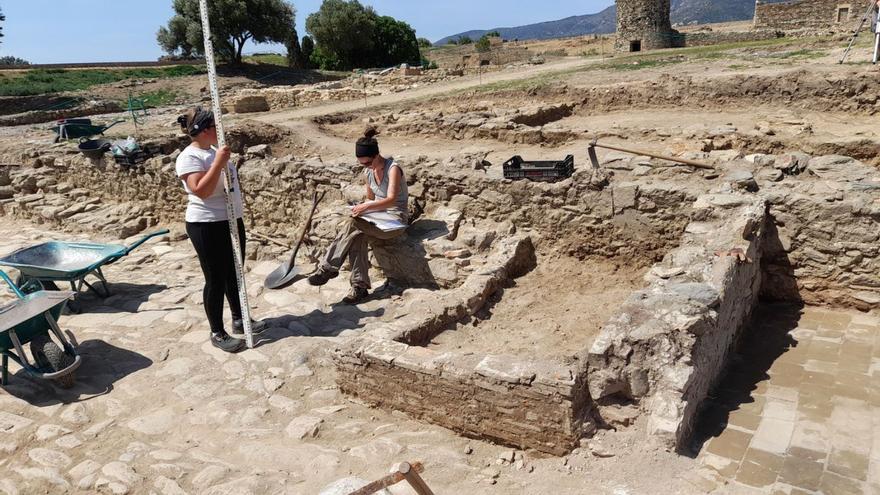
<point>668,344</point>
<point>808,14</point>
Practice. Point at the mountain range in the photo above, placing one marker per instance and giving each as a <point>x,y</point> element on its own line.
<point>604,22</point>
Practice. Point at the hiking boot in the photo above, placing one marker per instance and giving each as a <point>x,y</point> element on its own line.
<point>222,341</point>
<point>257,327</point>
<point>356,295</point>
<point>321,277</point>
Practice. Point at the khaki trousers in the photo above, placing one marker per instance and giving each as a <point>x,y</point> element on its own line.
<point>353,242</point>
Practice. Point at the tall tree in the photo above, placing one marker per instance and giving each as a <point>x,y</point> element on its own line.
<point>343,32</point>
<point>425,43</point>
<point>294,51</point>
<point>394,43</point>
<point>308,48</point>
<point>233,24</point>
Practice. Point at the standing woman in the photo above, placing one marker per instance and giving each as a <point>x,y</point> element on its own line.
<point>200,168</point>
<point>385,191</point>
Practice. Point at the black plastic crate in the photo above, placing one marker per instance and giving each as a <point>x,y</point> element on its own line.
<point>546,171</point>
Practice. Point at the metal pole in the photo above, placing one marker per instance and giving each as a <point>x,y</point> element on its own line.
<point>227,176</point>
<point>876,37</point>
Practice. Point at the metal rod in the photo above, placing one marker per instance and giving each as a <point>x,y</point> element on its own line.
<point>397,475</point>
<point>227,176</point>
<point>654,155</point>
<point>855,35</point>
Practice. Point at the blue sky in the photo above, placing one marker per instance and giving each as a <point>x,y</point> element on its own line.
<point>58,31</point>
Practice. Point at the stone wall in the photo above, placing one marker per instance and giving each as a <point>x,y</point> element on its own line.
<point>668,344</point>
<point>513,400</point>
<point>646,22</point>
<point>717,38</point>
<point>807,14</point>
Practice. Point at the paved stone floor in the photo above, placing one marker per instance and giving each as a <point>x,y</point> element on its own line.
<point>800,411</point>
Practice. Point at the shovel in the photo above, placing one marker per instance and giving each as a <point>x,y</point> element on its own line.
<point>284,274</point>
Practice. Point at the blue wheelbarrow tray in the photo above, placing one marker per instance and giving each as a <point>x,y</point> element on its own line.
<point>71,262</point>
<point>28,317</point>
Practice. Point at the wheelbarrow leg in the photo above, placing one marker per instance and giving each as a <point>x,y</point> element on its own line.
<point>19,349</point>
<point>4,370</point>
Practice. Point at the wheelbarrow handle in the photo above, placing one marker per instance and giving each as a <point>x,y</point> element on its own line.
<point>143,240</point>
<point>11,284</point>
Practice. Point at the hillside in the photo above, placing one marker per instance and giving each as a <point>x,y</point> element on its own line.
<point>683,12</point>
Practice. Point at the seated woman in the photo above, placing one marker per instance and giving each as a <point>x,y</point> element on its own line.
<point>386,191</point>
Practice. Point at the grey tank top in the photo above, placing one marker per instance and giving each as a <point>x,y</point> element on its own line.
<point>380,189</point>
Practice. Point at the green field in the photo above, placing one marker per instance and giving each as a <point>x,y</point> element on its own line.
<point>48,81</point>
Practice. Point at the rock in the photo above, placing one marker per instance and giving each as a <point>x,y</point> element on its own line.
<point>345,486</point>
<point>208,477</point>
<point>46,432</point>
<point>84,469</point>
<point>792,163</point>
<point>6,192</point>
<point>619,416</point>
<point>121,472</point>
<point>104,485</point>
<point>168,486</point>
<point>304,427</point>
<point>286,405</point>
<point>457,253</point>
<point>49,458</point>
<point>701,293</point>
<point>742,179</point>
<point>155,423</point>
<point>260,150</point>
<point>761,160</point>
<point>75,414</point>
<point>251,104</point>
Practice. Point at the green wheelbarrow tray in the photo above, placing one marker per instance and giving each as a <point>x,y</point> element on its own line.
<point>72,262</point>
<point>30,318</point>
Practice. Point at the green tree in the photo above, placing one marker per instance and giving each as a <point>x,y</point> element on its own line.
<point>483,45</point>
<point>465,40</point>
<point>344,32</point>
<point>233,23</point>
<point>493,34</point>
<point>308,48</point>
<point>425,43</point>
<point>394,43</point>
<point>10,60</point>
<point>295,57</point>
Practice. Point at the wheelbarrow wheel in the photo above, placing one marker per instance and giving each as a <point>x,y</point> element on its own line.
<point>49,356</point>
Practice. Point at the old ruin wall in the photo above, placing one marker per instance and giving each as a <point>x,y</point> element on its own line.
<point>807,14</point>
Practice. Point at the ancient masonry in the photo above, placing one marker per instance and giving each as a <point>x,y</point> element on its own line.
<point>808,14</point>
<point>644,25</point>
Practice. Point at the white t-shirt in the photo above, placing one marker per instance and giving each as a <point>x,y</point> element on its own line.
<point>213,208</point>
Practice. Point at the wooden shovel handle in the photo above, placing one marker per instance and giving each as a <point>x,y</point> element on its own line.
<point>308,226</point>
<point>654,155</point>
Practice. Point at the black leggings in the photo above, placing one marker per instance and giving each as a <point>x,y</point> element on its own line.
<point>214,246</point>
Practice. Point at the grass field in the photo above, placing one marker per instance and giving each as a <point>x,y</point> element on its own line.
<point>48,81</point>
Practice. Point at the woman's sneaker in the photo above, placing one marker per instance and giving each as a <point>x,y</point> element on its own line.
<point>356,295</point>
<point>322,276</point>
<point>226,343</point>
<point>257,327</point>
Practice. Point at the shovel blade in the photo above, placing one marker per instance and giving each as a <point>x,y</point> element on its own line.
<point>281,276</point>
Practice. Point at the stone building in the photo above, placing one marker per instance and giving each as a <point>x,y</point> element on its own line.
<point>645,25</point>
<point>809,14</point>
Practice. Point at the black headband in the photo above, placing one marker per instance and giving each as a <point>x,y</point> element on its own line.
<point>362,150</point>
<point>201,120</point>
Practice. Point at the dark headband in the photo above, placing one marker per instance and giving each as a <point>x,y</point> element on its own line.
<point>201,120</point>
<point>363,150</point>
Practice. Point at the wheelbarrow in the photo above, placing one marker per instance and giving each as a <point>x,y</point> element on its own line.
<point>30,319</point>
<point>79,128</point>
<point>71,262</point>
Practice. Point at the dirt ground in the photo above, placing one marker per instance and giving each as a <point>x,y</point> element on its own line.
<point>553,312</point>
<point>158,410</point>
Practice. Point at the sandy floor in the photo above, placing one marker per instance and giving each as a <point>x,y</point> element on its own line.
<point>553,312</point>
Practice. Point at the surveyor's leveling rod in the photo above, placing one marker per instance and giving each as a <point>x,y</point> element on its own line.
<point>852,41</point>
<point>227,176</point>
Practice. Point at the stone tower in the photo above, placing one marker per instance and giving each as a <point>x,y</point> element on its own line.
<point>644,25</point>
